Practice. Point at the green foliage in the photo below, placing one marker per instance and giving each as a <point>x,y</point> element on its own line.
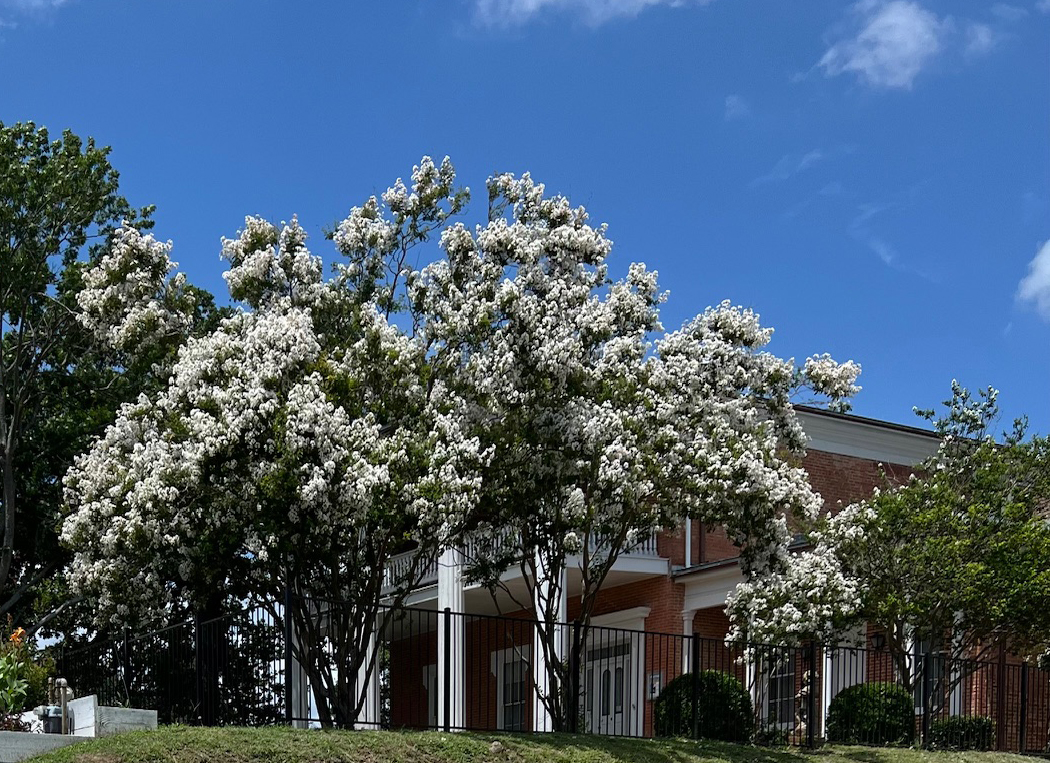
<point>872,713</point>
<point>963,547</point>
<point>56,198</point>
<point>12,685</point>
<point>59,205</point>
<point>963,733</point>
<point>723,708</point>
<point>33,668</point>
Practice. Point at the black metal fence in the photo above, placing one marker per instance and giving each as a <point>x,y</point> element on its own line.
<point>426,669</point>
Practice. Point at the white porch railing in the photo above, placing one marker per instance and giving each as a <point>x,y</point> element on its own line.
<point>399,566</point>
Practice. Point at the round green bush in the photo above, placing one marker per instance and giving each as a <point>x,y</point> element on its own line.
<point>873,713</point>
<point>723,708</point>
<point>963,733</point>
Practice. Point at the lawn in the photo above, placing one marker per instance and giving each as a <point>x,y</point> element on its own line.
<point>180,744</point>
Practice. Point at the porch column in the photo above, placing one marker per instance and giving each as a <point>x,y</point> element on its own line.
<point>541,718</point>
<point>450,596</point>
<point>298,686</point>
<point>368,718</point>
<point>687,642</point>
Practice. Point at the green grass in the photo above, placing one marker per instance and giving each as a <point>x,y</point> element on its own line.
<point>181,744</point>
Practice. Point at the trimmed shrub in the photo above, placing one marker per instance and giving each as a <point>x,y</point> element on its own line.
<point>723,708</point>
<point>963,733</point>
<point>872,713</point>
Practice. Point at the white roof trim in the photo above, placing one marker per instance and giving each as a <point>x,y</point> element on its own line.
<point>860,439</point>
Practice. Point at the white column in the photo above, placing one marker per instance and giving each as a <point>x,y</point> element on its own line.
<point>450,596</point>
<point>541,718</point>
<point>368,718</point>
<point>688,542</point>
<point>298,688</point>
<point>687,642</point>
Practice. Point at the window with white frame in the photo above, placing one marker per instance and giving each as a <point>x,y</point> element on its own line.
<point>511,668</point>
<point>780,706</point>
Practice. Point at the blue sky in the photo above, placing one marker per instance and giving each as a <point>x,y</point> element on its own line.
<point>873,178</point>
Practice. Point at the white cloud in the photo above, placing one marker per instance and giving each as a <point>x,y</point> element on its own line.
<point>1009,13</point>
<point>511,12</point>
<point>789,165</point>
<point>28,6</point>
<point>895,40</point>
<point>1035,287</point>
<point>980,39</point>
<point>736,107</point>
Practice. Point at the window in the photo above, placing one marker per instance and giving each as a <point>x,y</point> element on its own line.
<point>511,668</point>
<point>513,705</point>
<point>920,648</point>
<point>780,707</point>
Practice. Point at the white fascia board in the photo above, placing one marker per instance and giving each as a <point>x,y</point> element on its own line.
<point>861,439</point>
<point>709,588</point>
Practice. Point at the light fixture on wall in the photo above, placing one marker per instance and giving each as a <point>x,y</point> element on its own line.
<point>878,640</point>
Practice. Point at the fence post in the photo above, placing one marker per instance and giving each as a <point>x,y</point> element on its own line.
<point>574,679</point>
<point>694,685</point>
<point>927,664</point>
<point>126,657</point>
<point>288,695</point>
<point>448,669</point>
<point>1022,726</point>
<point>811,698</point>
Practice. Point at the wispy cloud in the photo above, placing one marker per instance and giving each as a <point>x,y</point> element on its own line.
<point>1043,6</point>
<point>1009,13</point>
<point>11,11</point>
<point>980,39</point>
<point>863,231</point>
<point>594,12</point>
<point>736,108</point>
<point>890,45</point>
<point>1035,287</point>
<point>31,6</point>
<point>789,165</point>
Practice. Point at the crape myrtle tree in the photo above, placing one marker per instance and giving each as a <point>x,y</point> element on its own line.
<point>603,429</point>
<point>956,560</point>
<point>59,384</point>
<point>505,397</point>
<point>295,448</point>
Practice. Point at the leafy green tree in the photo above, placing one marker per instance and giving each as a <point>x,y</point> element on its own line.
<point>956,561</point>
<point>59,386</point>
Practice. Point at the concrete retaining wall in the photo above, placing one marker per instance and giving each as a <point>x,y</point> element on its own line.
<point>18,745</point>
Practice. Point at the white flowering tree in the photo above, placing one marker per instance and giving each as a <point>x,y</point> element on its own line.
<point>956,559</point>
<point>510,388</point>
<point>601,429</point>
<point>301,444</point>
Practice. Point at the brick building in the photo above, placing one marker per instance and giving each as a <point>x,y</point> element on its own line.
<point>660,609</point>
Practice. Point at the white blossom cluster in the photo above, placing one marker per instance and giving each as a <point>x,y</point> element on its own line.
<point>272,268</point>
<point>812,596</point>
<point>128,301</point>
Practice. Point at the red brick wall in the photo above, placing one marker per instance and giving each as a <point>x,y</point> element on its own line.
<point>844,479</point>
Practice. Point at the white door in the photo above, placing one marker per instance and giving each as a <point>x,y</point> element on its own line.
<point>608,694</point>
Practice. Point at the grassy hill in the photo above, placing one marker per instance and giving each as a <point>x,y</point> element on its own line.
<point>179,744</point>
